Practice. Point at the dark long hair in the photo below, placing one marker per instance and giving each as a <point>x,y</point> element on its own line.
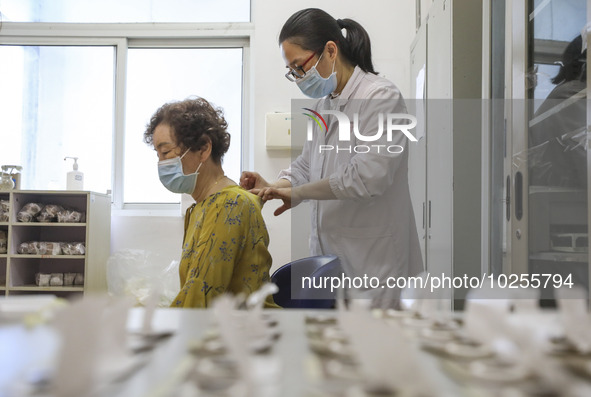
<point>312,28</point>
<point>573,63</point>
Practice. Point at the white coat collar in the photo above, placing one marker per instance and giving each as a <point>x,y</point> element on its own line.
<point>352,85</point>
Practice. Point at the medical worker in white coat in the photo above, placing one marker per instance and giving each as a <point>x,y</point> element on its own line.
<point>360,202</point>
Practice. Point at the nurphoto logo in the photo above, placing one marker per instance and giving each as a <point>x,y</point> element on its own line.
<point>345,126</point>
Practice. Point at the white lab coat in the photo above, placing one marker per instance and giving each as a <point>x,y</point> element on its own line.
<point>371,226</point>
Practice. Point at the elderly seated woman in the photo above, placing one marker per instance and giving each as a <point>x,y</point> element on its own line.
<point>225,240</point>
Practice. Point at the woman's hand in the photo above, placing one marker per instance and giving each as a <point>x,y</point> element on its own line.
<point>253,180</point>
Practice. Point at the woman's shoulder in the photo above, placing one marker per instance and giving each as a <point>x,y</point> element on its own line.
<point>232,202</point>
<point>378,87</point>
<point>237,195</point>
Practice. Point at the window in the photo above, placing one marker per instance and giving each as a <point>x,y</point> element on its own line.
<point>117,11</point>
<point>88,91</point>
<point>57,101</point>
<point>212,73</point>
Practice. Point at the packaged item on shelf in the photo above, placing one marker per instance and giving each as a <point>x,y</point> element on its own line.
<point>39,248</point>
<point>29,212</point>
<point>47,248</point>
<point>73,248</point>
<point>4,210</point>
<point>79,279</point>
<point>42,279</point>
<point>56,280</point>
<point>569,242</point>
<point>70,216</point>
<point>69,278</point>
<point>49,213</point>
<point>29,247</point>
<point>3,248</point>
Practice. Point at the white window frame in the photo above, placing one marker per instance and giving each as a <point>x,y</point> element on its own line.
<point>141,35</point>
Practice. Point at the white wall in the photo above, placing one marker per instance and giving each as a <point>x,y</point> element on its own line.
<point>391,27</point>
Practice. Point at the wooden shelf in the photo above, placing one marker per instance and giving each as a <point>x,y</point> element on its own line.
<point>28,256</point>
<point>33,287</point>
<point>19,270</point>
<point>574,257</point>
<point>48,224</point>
<point>535,189</point>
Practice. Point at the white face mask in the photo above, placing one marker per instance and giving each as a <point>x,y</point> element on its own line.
<point>172,177</point>
<point>316,86</point>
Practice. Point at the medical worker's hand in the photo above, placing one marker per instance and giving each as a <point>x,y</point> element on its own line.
<point>252,180</point>
<point>287,194</point>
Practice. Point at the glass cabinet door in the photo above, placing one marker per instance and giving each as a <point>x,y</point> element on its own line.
<point>555,186</point>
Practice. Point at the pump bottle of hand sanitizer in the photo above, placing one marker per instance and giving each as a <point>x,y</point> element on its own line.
<point>75,179</point>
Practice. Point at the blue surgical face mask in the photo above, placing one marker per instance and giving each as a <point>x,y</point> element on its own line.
<point>172,177</point>
<point>316,86</point>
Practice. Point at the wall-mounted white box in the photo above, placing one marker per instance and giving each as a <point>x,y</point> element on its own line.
<point>278,130</point>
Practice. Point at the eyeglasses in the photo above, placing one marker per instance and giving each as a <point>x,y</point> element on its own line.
<point>298,72</point>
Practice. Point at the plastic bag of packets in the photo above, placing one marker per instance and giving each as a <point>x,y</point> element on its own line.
<point>4,210</point>
<point>37,212</point>
<point>3,240</point>
<point>58,279</point>
<point>51,248</point>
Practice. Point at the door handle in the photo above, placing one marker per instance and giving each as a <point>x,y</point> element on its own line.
<point>429,214</point>
<point>508,198</point>
<point>518,195</point>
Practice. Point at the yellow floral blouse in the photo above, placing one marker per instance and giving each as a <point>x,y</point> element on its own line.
<point>224,248</point>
